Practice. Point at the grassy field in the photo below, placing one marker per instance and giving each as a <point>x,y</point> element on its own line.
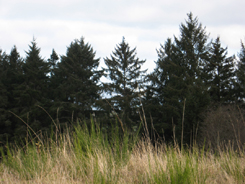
<point>87,155</point>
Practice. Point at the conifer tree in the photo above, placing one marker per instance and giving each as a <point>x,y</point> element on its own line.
<point>166,89</point>
<point>53,62</point>
<point>193,50</point>
<point>221,71</point>
<point>4,126</point>
<point>36,76</point>
<point>52,83</point>
<point>180,78</point>
<point>33,92</point>
<point>240,75</point>
<point>78,78</point>
<point>14,80</point>
<point>123,69</point>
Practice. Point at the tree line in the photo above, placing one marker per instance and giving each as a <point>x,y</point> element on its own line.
<point>192,73</point>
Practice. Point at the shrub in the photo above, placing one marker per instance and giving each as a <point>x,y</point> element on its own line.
<point>223,125</point>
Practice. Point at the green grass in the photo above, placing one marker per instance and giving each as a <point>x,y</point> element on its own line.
<point>89,155</point>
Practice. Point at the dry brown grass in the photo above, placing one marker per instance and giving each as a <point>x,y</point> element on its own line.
<point>146,164</point>
<point>85,157</point>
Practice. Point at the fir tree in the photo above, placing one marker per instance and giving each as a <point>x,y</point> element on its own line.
<point>33,92</point>
<point>52,83</point>
<point>14,78</point>
<point>166,89</point>
<point>78,78</point>
<point>53,62</point>
<point>13,82</point>
<point>4,125</point>
<point>240,74</point>
<point>180,78</point>
<point>193,50</point>
<point>36,75</point>
<point>221,71</point>
<point>123,69</point>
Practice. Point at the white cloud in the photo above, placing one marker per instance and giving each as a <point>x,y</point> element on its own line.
<point>145,24</point>
<point>103,37</point>
<point>230,36</point>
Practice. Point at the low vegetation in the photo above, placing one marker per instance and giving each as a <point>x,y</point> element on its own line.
<point>86,154</point>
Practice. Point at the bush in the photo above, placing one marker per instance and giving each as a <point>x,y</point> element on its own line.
<point>223,125</point>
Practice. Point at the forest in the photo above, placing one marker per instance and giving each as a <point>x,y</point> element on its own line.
<point>195,92</point>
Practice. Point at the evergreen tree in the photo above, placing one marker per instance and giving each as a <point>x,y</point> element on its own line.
<point>240,75</point>
<point>36,76</point>
<point>53,62</point>
<point>33,91</point>
<point>193,51</point>
<point>52,83</point>
<point>221,71</point>
<point>14,78</point>
<point>165,92</point>
<point>13,81</point>
<point>123,69</point>
<point>4,126</point>
<point>180,78</point>
<point>78,79</point>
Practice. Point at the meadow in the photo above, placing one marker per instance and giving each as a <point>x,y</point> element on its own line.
<point>86,154</point>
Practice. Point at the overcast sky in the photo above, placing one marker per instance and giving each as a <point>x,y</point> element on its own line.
<point>145,24</point>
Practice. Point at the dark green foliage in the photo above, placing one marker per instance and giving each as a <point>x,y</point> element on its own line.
<point>35,74</point>
<point>13,83</point>
<point>53,83</point>
<point>240,74</point>
<point>33,92</point>
<point>124,71</point>
<point>76,81</point>
<point>4,124</point>
<point>166,89</point>
<point>53,62</point>
<point>220,69</point>
<point>179,75</point>
<point>11,77</point>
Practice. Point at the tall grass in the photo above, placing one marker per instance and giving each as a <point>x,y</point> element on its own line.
<point>86,154</point>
